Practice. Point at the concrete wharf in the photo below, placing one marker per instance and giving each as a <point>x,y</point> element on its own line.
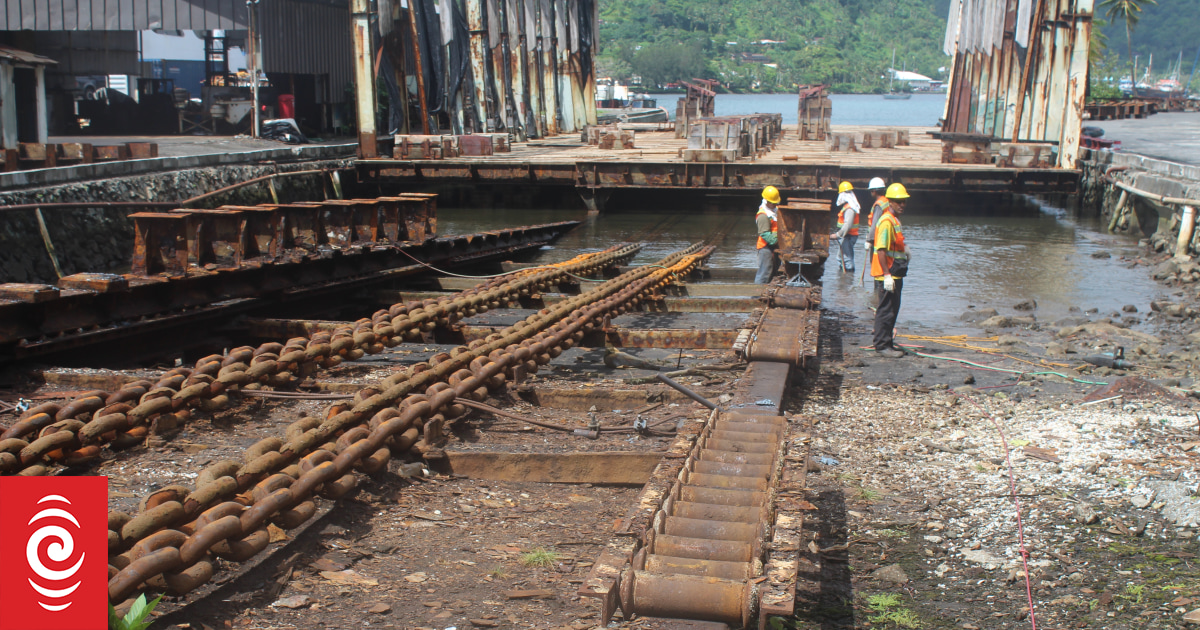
<point>656,162</point>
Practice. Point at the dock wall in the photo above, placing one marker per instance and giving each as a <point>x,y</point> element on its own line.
<point>1156,222</point>
<point>101,239</point>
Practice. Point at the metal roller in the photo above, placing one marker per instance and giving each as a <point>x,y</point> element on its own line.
<point>741,436</point>
<point>713,530</point>
<point>741,446</point>
<point>656,563</point>
<point>703,548</point>
<point>688,597</point>
<point>733,457</point>
<point>717,512</point>
<point>727,481</point>
<point>721,468</point>
<point>721,496</point>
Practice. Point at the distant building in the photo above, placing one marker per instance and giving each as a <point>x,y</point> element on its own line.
<point>746,57</point>
<point>914,80</point>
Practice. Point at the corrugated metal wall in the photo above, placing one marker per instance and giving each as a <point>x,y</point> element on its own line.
<point>123,15</point>
<point>308,38</point>
<point>1020,70</point>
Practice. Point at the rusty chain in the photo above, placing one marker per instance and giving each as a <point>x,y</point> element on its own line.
<point>74,433</point>
<point>171,543</point>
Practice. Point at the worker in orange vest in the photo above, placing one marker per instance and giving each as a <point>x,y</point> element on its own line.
<point>766,222</point>
<point>847,223</point>
<point>889,266</point>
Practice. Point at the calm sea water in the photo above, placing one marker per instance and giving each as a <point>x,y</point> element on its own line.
<point>959,261</point>
<point>922,110</point>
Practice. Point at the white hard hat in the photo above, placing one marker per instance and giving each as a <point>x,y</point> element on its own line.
<point>876,182</point>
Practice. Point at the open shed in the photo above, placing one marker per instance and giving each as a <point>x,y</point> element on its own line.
<point>22,97</point>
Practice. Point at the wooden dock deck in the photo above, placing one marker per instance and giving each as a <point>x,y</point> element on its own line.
<point>656,162</point>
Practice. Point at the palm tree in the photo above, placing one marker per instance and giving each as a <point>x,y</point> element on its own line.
<point>1129,11</point>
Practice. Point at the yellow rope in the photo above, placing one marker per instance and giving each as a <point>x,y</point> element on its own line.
<point>961,341</point>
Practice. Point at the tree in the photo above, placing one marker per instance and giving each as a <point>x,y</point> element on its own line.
<point>1130,11</point>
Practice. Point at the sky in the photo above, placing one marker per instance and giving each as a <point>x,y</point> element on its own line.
<point>186,48</point>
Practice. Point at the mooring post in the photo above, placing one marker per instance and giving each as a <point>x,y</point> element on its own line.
<point>594,199</point>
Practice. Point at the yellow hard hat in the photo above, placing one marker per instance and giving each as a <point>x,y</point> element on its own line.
<point>896,191</point>
<point>844,186</point>
<point>771,194</point>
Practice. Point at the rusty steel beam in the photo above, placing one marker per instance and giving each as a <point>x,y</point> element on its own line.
<point>478,58</point>
<point>718,177</point>
<point>78,317</point>
<point>611,467</point>
<point>633,338</point>
<point>364,78</point>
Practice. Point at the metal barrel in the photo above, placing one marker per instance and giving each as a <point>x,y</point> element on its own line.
<point>656,563</point>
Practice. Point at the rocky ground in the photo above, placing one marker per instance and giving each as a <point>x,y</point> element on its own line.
<point>943,484</point>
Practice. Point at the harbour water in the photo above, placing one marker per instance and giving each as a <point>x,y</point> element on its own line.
<point>959,261</point>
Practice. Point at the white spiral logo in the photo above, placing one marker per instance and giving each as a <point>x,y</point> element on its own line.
<point>59,550</point>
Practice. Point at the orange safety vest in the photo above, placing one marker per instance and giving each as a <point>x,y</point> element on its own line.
<point>897,244</point>
<point>774,227</point>
<point>842,219</point>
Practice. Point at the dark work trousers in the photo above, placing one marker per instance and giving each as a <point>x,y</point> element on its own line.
<point>885,314</point>
<point>767,263</point>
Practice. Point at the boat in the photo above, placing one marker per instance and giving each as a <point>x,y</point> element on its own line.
<point>616,104</point>
<point>892,94</point>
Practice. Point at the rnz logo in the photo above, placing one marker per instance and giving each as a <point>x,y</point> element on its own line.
<point>58,528</point>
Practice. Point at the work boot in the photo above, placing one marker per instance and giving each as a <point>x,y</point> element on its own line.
<point>891,353</point>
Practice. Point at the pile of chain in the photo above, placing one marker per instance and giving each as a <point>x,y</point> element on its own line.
<point>74,433</point>
<point>172,543</point>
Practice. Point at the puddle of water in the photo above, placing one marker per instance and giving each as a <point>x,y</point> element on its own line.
<point>959,261</point>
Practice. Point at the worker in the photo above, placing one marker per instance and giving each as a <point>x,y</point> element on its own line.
<point>766,222</point>
<point>847,223</point>
<point>889,267</point>
<point>875,190</point>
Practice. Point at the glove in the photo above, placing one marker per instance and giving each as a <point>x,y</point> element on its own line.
<point>771,238</point>
<point>889,283</point>
<point>908,252</point>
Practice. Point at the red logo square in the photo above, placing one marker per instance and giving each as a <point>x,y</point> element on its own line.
<point>54,553</point>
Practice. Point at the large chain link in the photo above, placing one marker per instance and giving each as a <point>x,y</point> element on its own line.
<point>170,544</point>
<point>74,433</point>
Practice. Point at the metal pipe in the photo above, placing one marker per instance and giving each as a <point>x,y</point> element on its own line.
<point>1185,231</point>
<point>685,391</point>
<point>1163,199</point>
<point>242,184</point>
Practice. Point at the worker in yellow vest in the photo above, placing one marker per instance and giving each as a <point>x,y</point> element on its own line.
<point>847,223</point>
<point>889,266</point>
<point>766,222</point>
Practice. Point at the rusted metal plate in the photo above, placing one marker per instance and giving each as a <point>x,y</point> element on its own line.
<point>100,282</point>
<point>764,394</point>
<point>603,399</point>
<point>32,293</point>
<point>613,467</point>
<point>785,335</point>
<point>633,338</point>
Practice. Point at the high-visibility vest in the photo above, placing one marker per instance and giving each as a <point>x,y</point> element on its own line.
<point>774,226</point>
<point>893,248</point>
<point>842,219</point>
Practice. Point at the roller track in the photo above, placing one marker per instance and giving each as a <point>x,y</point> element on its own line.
<point>711,540</point>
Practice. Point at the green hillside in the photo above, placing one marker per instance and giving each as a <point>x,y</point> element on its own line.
<point>844,43</point>
<point>1164,30</point>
